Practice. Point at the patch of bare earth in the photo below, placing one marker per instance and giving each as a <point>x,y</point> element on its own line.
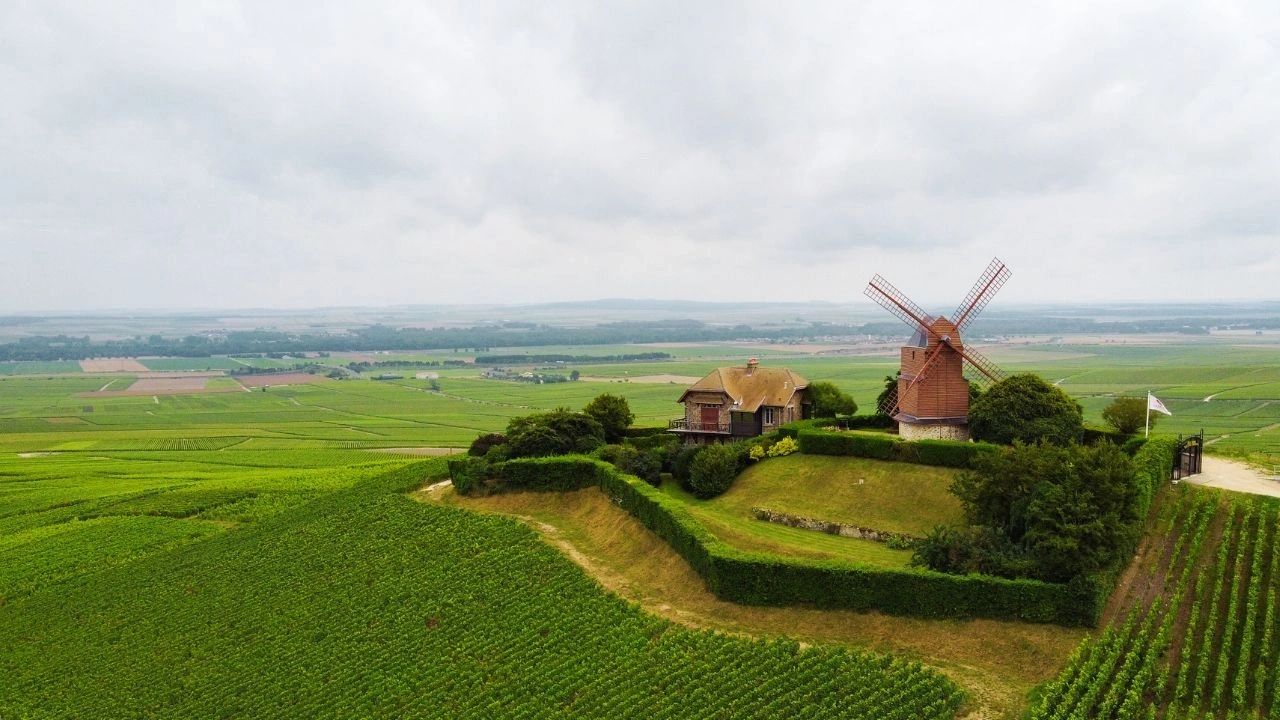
<point>647,379</point>
<point>275,379</point>
<point>996,662</point>
<point>112,365</point>
<point>163,385</point>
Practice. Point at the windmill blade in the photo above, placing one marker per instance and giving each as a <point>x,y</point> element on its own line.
<point>889,406</point>
<point>896,302</point>
<point>991,280</point>
<point>987,371</point>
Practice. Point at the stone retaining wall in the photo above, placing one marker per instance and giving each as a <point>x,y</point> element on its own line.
<point>831,528</point>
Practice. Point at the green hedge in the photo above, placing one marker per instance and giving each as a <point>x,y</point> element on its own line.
<point>945,453</point>
<point>764,579</point>
<point>1094,434</point>
<point>846,422</point>
<point>1154,463</point>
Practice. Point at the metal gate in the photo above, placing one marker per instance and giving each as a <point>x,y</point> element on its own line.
<point>1190,453</point>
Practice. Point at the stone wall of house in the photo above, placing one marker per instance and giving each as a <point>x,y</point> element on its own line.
<point>693,406</point>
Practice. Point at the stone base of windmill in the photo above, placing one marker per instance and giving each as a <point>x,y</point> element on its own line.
<point>933,431</point>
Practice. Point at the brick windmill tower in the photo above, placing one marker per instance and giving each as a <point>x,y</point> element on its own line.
<point>932,398</point>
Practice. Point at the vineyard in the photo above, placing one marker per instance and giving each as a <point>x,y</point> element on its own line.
<point>1195,635</point>
<point>364,603</point>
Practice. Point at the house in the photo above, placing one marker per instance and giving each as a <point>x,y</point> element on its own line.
<point>737,402</point>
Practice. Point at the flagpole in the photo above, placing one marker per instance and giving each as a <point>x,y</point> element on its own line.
<point>1147,432</point>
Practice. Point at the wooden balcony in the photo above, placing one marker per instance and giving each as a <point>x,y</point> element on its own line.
<point>683,425</point>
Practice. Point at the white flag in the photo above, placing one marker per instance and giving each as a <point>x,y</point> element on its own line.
<point>1153,403</point>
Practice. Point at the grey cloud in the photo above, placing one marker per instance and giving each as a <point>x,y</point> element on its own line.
<point>528,152</point>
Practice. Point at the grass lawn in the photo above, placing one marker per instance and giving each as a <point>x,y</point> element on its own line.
<point>893,496</point>
<point>898,497</point>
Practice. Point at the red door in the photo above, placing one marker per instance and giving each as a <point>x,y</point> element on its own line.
<point>710,417</point>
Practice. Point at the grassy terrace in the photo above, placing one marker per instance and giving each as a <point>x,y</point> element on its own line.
<point>897,497</point>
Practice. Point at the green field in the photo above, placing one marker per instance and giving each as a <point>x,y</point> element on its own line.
<point>361,602</point>
<point>131,527</point>
<point>1204,644</point>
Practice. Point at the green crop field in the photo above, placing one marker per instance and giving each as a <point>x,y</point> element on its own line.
<point>157,550</point>
<point>1205,643</point>
<point>360,602</point>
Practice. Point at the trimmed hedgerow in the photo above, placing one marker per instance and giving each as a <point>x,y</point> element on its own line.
<point>944,453</point>
<point>764,579</point>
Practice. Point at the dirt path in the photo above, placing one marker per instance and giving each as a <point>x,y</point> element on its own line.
<point>1234,475</point>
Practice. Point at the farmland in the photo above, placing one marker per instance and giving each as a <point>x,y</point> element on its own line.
<point>157,509</point>
<point>362,602</point>
<point>1199,640</point>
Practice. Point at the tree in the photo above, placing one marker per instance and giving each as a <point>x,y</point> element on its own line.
<point>829,401</point>
<point>1127,414</point>
<point>713,470</point>
<point>1055,512</point>
<point>1086,520</point>
<point>574,375</point>
<point>1025,407</point>
<point>553,433</point>
<point>890,387</point>
<point>614,415</point>
<point>484,441</point>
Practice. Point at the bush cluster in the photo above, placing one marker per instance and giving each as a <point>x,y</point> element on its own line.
<point>1045,511</point>
<point>1027,408</point>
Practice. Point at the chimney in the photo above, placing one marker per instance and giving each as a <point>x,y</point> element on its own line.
<point>752,364</point>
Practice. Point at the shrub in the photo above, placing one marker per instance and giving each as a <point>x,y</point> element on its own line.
<point>785,446</point>
<point>613,413</point>
<point>829,401</point>
<point>556,474</point>
<point>1025,407</point>
<point>480,446</point>
<point>1127,414</point>
<point>757,452</point>
<point>644,464</point>
<point>539,441</point>
<point>683,462</point>
<point>468,474</point>
<point>1133,445</point>
<point>713,470</point>
<point>554,433</point>
<point>1092,435</point>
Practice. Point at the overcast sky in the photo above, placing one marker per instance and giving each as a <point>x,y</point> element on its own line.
<point>284,155</point>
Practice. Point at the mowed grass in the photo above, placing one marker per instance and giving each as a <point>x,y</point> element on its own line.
<point>740,529</point>
<point>891,496</point>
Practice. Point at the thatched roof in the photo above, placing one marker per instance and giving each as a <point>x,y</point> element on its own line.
<point>751,386</point>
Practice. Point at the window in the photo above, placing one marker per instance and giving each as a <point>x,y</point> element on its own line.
<point>770,416</point>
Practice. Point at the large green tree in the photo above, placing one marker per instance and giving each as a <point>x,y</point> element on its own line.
<point>829,401</point>
<point>614,415</point>
<point>1068,509</point>
<point>553,433</point>
<point>1025,407</point>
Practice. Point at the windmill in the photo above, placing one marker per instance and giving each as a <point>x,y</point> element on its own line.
<point>932,396</point>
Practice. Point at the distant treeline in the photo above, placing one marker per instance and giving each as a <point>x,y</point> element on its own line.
<point>273,343</point>
<point>365,366</point>
<point>553,358</point>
